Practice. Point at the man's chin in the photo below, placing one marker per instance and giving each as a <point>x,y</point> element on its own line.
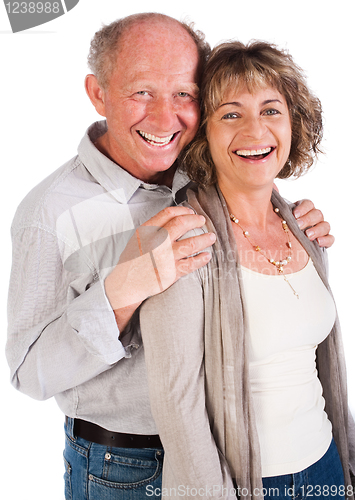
<point>161,174</point>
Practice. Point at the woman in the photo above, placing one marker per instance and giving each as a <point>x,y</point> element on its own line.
<point>232,358</point>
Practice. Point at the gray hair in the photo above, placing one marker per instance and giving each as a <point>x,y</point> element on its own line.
<point>104,44</point>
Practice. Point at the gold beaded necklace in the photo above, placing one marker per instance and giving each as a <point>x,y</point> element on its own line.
<point>279,264</point>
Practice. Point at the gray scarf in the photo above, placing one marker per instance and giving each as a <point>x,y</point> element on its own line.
<point>226,352</point>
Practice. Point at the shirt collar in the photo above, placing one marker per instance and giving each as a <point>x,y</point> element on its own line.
<point>109,174</point>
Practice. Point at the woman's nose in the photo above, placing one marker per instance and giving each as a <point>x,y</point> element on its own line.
<point>254,127</point>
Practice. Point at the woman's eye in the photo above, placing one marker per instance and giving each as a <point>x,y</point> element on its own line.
<point>270,112</point>
<point>230,116</point>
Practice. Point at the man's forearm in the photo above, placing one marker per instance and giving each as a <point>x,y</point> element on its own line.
<point>63,349</point>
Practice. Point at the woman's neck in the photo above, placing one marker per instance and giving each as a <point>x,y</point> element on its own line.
<point>254,208</point>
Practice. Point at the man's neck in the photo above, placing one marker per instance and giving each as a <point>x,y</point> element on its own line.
<point>164,178</point>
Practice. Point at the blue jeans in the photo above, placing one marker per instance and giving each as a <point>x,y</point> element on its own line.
<point>97,472</point>
<point>323,480</point>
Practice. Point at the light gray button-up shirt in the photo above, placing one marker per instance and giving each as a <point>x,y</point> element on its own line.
<point>63,339</point>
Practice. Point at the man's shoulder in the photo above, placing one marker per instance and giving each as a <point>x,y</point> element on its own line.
<point>48,198</point>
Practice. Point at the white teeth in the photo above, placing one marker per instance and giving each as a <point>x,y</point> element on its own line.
<point>156,141</point>
<point>253,152</point>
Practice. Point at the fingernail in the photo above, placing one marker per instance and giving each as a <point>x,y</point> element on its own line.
<point>202,219</point>
<point>300,223</point>
<point>212,236</point>
<point>309,233</point>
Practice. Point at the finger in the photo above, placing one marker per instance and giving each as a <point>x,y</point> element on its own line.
<point>326,241</point>
<point>318,231</point>
<point>193,245</point>
<point>191,264</point>
<point>312,219</point>
<point>182,224</point>
<point>302,208</point>
<point>165,215</point>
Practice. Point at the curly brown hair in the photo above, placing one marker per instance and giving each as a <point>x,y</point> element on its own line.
<point>104,45</point>
<point>256,65</point>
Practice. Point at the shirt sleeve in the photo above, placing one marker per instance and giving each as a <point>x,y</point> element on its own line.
<point>61,328</point>
<point>172,327</point>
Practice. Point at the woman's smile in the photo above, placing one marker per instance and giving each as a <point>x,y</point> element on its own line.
<point>254,154</point>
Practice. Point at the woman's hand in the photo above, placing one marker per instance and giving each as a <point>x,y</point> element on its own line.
<point>308,216</point>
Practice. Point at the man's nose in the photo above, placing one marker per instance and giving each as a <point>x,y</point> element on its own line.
<point>162,114</point>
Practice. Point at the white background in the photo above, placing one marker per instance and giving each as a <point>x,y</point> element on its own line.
<point>45,112</point>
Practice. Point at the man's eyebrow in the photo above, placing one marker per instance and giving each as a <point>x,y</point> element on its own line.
<point>148,85</point>
<point>192,87</point>
<point>239,105</point>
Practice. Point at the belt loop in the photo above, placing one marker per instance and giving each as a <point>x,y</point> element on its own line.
<point>69,425</point>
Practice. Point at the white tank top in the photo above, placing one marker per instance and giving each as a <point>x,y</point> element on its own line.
<point>293,428</point>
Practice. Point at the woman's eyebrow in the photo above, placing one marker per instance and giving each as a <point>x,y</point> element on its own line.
<point>239,105</point>
<point>231,103</point>
<point>268,101</point>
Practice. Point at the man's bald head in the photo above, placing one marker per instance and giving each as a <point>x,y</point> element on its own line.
<point>107,42</point>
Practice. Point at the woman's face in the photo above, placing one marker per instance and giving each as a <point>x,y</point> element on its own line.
<point>249,137</point>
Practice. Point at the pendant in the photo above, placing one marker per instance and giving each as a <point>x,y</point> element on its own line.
<point>289,284</point>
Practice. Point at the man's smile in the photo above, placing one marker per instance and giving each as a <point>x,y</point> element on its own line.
<point>155,140</point>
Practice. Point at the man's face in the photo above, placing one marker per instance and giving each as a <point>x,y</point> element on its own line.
<point>150,103</point>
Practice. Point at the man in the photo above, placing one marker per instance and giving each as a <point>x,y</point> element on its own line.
<point>81,268</point>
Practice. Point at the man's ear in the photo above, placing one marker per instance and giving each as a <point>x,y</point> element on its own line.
<point>96,94</point>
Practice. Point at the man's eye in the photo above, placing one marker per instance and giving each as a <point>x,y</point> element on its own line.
<point>187,96</point>
<point>190,97</point>
<point>142,92</point>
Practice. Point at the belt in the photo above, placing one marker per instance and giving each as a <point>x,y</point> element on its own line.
<point>99,435</point>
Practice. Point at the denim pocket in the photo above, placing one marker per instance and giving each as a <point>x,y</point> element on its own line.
<point>67,480</point>
<point>125,473</point>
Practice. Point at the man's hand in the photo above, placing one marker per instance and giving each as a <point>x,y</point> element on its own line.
<point>154,259</point>
<point>308,216</point>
